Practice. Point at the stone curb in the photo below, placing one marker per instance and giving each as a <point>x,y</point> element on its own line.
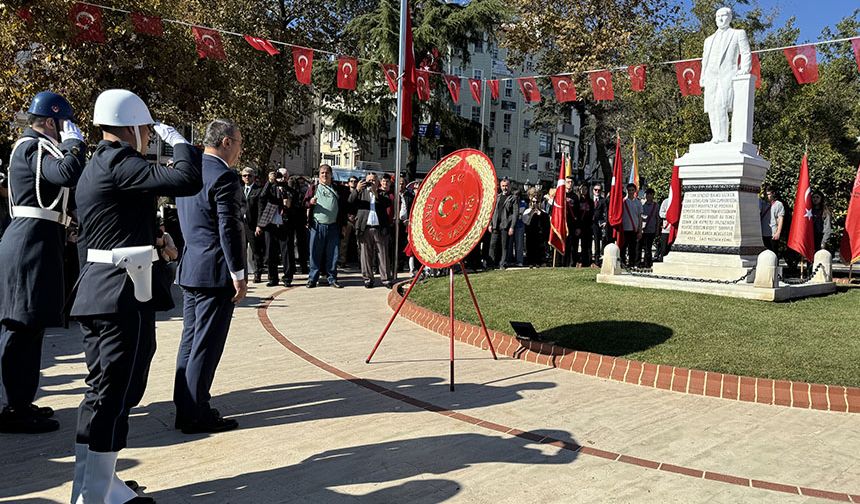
<point>688,381</point>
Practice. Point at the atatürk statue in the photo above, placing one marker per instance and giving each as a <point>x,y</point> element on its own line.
<point>719,66</point>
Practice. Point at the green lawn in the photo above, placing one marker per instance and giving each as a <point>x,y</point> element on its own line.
<point>815,340</point>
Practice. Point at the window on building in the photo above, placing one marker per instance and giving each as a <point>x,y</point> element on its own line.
<point>477,73</point>
<point>525,159</point>
<point>506,158</point>
<point>506,123</point>
<point>545,145</point>
<point>492,120</point>
<point>527,124</point>
<point>479,45</point>
<point>383,147</point>
<point>476,113</point>
<point>458,109</point>
<point>458,71</point>
<point>509,88</point>
<point>491,152</point>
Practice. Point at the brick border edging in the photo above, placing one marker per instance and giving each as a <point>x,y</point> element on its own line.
<point>689,381</point>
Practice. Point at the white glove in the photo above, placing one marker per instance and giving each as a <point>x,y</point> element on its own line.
<point>71,131</point>
<point>169,134</point>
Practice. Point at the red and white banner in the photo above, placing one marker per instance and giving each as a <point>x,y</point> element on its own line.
<point>303,60</point>
<point>493,84</point>
<point>422,84</point>
<point>475,88</point>
<point>261,45</point>
<point>558,217</point>
<point>564,89</point>
<point>800,237</point>
<point>688,74</point>
<point>147,25</point>
<point>452,82</point>
<point>390,70</point>
<point>208,43</point>
<point>347,72</point>
<point>673,213</point>
<point>529,89</point>
<point>601,85</point>
<point>803,63</point>
<point>849,249</point>
<point>855,43</point>
<point>88,23</point>
<point>637,77</point>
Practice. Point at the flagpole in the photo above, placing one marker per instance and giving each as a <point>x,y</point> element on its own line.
<point>404,11</point>
<point>483,95</point>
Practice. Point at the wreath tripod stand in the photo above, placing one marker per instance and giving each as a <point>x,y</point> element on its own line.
<point>450,316</point>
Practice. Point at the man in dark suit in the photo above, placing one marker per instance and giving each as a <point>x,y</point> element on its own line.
<point>502,224</point>
<point>31,255</point>
<point>250,211</point>
<point>276,222</point>
<point>598,221</point>
<point>212,277</point>
<point>116,297</point>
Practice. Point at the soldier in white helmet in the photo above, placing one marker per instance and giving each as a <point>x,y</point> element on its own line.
<point>115,301</point>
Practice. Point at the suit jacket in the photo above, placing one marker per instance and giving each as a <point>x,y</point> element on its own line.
<point>116,199</point>
<point>506,212</point>
<point>722,62</point>
<point>361,202</point>
<point>251,205</point>
<point>211,222</point>
<point>601,211</point>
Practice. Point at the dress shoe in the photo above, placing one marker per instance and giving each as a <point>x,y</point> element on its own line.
<point>42,411</point>
<point>272,283</point>
<point>25,421</point>
<point>334,284</point>
<point>387,285</point>
<point>214,423</point>
<point>368,285</point>
<point>311,284</point>
<point>288,282</point>
<point>258,279</point>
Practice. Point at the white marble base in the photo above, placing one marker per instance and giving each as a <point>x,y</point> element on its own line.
<point>783,292</point>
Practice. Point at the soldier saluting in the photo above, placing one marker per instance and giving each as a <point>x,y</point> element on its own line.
<point>41,171</point>
<point>115,302</point>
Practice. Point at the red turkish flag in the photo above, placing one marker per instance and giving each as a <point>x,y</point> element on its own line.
<point>637,77</point>
<point>673,213</point>
<point>494,88</point>
<point>529,89</point>
<point>261,45</point>
<point>558,216</point>
<point>422,84</point>
<point>88,23</point>
<point>347,72</point>
<point>452,82</point>
<point>475,87</point>
<point>564,89</point>
<point>601,85</point>
<point>390,70</point>
<point>147,25</point>
<point>849,249</point>
<point>756,70</point>
<point>803,63</point>
<point>208,43</point>
<point>800,236</point>
<point>303,60</point>
<point>855,43</point>
<point>408,80</point>
<point>688,74</point>
<point>616,197</point>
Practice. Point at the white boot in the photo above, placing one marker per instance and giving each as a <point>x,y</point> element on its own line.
<point>80,465</point>
<point>98,477</point>
<point>119,492</point>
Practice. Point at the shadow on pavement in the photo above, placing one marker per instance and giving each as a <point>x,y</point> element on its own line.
<point>318,478</point>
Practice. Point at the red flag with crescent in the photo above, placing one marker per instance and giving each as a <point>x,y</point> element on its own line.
<point>493,84</point>
<point>803,63</point>
<point>558,217</point>
<point>347,72</point>
<point>849,249</point>
<point>390,70</point>
<point>422,84</point>
<point>147,25</point>
<point>800,237</point>
<point>88,23</point>
<point>303,60</point>
<point>688,74</point>
<point>408,80</point>
<point>673,213</point>
<point>261,44</point>
<point>529,89</point>
<point>475,88</point>
<point>208,43</point>
<point>637,77</point>
<point>855,43</point>
<point>452,82</point>
<point>616,197</point>
<point>564,89</point>
<point>601,85</point>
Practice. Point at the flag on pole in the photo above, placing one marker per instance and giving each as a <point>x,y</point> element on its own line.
<point>453,84</point>
<point>803,63</point>
<point>147,25</point>
<point>849,249</point>
<point>800,236</point>
<point>529,89</point>
<point>303,60</point>
<point>673,213</point>
<point>475,87</point>
<point>422,84</point>
<point>390,70</point>
<point>616,197</point>
<point>261,44</point>
<point>494,88</point>
<point>564,88</point>
<point>558,217</point>
<point>855,43</point>
<point>88,23</point>
<point>637,77</point>
<point>601,85</point>
<point>347,72</point>
<point>634,172</point>
<point>208,43</point>
<point>688,74</point>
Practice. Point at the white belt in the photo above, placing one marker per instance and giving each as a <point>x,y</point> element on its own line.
<point>40,213</point>
<point>137,263</point>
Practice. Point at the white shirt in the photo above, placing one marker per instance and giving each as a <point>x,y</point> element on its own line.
<point>372,218</point>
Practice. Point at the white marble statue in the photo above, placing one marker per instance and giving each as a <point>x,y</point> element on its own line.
<point>719,66</point>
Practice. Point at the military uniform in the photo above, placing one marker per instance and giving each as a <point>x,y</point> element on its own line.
<point>31,257</point>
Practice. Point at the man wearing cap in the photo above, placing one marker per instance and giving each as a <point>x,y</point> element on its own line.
<point>41,171</point>
<point>116,302</point>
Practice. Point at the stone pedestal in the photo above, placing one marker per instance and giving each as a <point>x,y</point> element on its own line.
<point>719,235</point>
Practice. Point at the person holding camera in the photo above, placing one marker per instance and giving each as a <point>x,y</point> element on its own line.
<point>276,222</point>
<point>373,226</point>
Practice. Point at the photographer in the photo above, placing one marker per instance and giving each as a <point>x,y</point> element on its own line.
<point>373,226</point>
<point>276,221</point>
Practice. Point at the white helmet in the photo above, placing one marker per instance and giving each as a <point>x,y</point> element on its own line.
<point>120,107</point>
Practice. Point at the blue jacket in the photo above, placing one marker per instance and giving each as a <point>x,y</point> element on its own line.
<point>212,226</point>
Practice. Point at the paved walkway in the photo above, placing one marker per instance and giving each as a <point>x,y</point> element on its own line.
<point>319,425</point>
